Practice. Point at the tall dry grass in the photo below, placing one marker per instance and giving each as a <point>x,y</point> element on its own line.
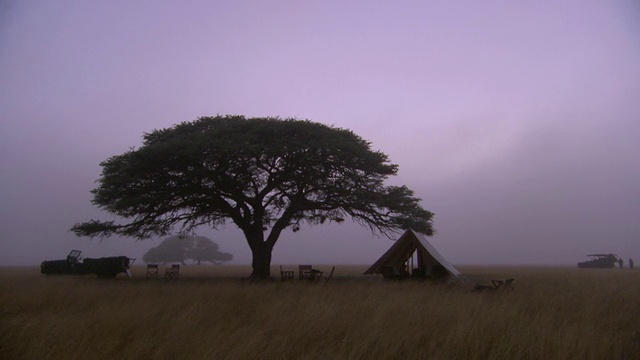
<point>553,313</point>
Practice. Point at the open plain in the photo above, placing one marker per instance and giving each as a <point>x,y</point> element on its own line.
<point>209,313</point>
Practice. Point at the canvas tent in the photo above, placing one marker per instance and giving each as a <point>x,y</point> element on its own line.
<point>412,255</point>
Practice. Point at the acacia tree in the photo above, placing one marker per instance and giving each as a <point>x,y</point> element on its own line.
<point>171,249</point>
<point>263,174</point>
<point>177,249</point>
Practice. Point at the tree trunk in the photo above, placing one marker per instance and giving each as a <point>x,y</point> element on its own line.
<point>261,249</point>
<point>261,263</point>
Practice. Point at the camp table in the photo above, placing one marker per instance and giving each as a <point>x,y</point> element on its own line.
<point>313,274</point>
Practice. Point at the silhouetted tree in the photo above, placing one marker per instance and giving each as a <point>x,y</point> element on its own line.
<point>177,249</point>
<point>206,250</point>
<point>264,174</point>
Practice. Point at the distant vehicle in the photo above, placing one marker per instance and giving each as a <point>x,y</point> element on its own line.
<point>107,267</point>
<point>600,261</point>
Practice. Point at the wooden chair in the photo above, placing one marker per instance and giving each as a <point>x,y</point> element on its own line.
<point>172,273</point>
<point>327,278</point>
<point>152,271</point>
<point>302,269</point>
<point>286,274</point>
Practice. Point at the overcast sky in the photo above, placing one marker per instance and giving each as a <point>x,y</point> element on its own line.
<point>516,122</point>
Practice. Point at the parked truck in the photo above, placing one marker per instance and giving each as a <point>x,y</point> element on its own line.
<point>602,261</point>
<point>106,267</point>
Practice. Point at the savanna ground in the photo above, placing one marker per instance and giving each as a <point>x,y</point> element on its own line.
<point>209,313</point>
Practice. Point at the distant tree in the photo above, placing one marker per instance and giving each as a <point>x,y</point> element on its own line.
<point>177,249</point>
<point>206,250</point>
<point>171,249</point>
<point>264,174</point>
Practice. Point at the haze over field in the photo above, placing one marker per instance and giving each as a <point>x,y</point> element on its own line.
<point>516,123</point>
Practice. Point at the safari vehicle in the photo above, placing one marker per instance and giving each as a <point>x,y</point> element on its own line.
<point>106,267</point>
<point>601,261</point>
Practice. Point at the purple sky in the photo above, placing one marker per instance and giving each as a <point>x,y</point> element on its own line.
<point>517,123</point>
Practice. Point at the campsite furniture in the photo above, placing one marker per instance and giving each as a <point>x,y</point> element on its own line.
<point>327,278</point>
<point>312,275</point>
<point>172,273</point>
<point>502,284</point>
<point>498,284</point>
<point>413,250</point>
<point>152,271</point>
<point>286,275</point>
<point>302,269</point>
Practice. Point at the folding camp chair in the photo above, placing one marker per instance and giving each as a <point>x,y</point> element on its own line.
<point>502,284</point>
<point>152,271</point>
<point>172,273</point>
<point>286,274</point>
<point>301,271</point>
<point>327,278</point>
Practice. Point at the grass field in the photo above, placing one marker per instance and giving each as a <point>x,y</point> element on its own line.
<point>553,313</point>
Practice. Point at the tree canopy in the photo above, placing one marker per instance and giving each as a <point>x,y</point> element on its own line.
<point>263,174</point>
<point>181,249</point>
